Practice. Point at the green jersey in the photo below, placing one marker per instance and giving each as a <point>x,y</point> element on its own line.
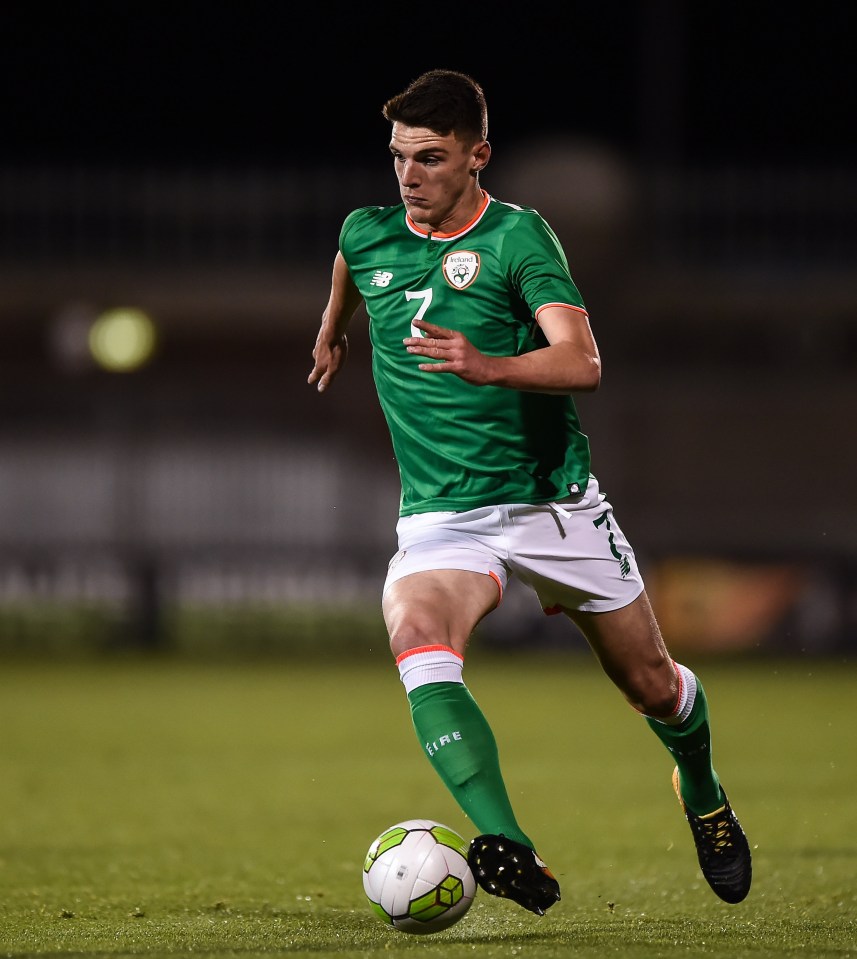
<point>460,446</point>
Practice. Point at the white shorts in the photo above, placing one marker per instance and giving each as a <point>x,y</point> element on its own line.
<point>571,552</point>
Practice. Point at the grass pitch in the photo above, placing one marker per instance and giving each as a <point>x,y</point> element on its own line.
<point>156,808</point>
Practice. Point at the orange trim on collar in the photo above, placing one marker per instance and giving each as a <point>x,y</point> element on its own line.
<point>449,236</point>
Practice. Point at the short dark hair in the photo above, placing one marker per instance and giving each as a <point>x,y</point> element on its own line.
<point>445,101</point>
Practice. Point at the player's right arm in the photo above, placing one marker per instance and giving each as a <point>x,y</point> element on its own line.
<point>331,345</point>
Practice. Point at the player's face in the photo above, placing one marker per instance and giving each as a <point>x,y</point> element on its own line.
<point>437,176</point>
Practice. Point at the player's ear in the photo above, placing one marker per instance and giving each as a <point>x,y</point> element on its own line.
<point>481,156</point>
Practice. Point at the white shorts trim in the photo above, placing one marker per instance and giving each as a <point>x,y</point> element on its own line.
<point>572,553</point>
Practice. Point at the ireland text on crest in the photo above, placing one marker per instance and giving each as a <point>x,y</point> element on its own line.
<point>460,268</point>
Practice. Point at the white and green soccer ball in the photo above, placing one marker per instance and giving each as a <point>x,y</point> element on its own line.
<point>417,878</point>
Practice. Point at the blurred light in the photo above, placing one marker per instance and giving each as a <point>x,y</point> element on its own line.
<point>122,339</point>
<point>715,605</point>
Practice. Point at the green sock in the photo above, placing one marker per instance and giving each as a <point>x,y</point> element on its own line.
<point>690,744</point>
<point>461,747</point>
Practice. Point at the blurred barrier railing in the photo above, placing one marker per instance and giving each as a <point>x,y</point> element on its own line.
<point>797,217</point>
<point>193,218</point>
<point>145,523</point>
<point>203,495</point>
<point>743,219</point>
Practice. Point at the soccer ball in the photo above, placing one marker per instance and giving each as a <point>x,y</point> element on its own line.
<point>417,877</point>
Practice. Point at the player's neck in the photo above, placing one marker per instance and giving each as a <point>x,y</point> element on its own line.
<point>468,208</point>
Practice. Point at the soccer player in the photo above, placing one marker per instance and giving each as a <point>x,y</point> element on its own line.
<point>479,339</point>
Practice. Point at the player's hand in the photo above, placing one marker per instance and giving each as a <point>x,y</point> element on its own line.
<point>449,352</point>
<point>329,359</point>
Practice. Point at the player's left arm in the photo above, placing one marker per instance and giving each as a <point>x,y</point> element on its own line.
<point>570,363</point>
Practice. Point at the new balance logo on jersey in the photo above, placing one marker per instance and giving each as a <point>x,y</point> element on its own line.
<point>381,278</point>
<point>460,268</point>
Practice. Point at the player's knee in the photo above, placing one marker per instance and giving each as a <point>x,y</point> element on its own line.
<point>414,631</point>
<point>652,690</point>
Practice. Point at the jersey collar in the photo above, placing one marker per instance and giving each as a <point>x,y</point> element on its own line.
<point>451,236</point>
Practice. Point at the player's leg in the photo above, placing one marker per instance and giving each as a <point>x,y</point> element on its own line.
<point>577,558</point>
<point>630,648</point>
<point>629,645</point>
<point>430,616</point>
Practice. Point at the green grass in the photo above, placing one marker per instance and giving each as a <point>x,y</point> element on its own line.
<point>157,808</point>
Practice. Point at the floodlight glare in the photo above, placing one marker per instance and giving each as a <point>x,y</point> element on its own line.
<point>122,339</point>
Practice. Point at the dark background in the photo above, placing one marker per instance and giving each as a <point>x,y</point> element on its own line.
<point>270,83</point>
